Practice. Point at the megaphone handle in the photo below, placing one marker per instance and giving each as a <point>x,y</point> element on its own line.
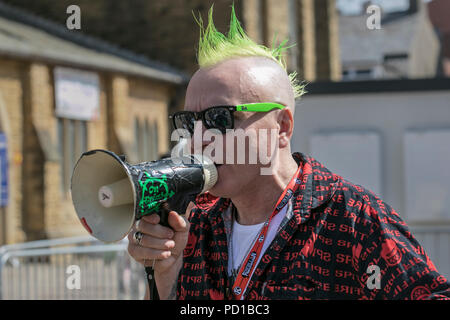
<point>164,221</point>
<point>164,215</point>
<point>153,291</point>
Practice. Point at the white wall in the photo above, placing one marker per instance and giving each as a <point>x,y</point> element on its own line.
<point>396,144</point>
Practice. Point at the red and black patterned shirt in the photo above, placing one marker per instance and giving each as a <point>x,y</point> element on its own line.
<point>336,241</point>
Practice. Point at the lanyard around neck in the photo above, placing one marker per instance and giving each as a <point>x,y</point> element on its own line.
<point>247,268</point>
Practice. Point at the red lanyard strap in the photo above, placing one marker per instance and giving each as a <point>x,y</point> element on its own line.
<point>249,265</point>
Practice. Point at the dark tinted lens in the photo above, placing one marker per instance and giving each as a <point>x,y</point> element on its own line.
<point>219,118</point>
<point>184,121</point>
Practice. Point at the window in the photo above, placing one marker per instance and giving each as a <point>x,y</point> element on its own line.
<point>147,151</point>
<point>146,140</point>
<point>137,140</point>
<point>72,135</point>
<point>356,7</point>
<point>155,140</point>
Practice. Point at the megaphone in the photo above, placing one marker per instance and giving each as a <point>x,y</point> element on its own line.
<point>109,194</point>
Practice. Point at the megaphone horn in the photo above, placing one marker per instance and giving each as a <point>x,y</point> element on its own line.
<point>109,194</point>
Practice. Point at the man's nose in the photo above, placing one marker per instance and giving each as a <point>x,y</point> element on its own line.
<point>197,140</point>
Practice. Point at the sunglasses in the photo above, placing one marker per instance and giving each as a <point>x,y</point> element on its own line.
<point>219,117</point>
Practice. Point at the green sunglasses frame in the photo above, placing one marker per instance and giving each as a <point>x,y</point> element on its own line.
<point>246,107</point>
<point>259,107</point>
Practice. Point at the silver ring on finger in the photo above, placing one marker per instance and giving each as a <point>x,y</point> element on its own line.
<point>138,237</point>
<point>136,225</point>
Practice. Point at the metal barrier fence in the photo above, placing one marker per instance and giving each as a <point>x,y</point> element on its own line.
<point>70,269</point>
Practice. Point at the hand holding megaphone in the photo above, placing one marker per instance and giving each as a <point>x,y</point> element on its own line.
<point>160,241</point>
<point>160,250</point>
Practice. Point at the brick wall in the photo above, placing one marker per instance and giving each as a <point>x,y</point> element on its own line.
<point>38,207</point>
<point>328,64</point>
<point>306,42</point>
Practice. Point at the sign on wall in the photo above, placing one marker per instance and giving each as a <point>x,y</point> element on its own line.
<point>77,94</point>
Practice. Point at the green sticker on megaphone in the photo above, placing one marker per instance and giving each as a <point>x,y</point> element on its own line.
<point>155,190</point>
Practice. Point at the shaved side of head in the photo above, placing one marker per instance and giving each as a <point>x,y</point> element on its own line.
<point>241,80</point>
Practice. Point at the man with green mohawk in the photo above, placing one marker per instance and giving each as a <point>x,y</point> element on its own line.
<point>300,232</point>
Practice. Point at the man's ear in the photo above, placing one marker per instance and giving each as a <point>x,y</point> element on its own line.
<point>286,124</point>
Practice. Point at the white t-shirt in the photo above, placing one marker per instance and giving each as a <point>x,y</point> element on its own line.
<point>244,236</point>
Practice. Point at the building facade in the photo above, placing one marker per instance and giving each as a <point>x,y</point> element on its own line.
<point>43,69</point>
<point>404,46</point>
<point>135,94</point>
<point>166,30</point>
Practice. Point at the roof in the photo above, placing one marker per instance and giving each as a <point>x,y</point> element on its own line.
<point>377,86</point>
<point>359,44</point>
<point>28,36</point>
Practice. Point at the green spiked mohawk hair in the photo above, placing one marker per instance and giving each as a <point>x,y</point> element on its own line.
<point>215,47</point>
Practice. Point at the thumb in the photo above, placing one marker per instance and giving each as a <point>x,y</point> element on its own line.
<point>177,222</point>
